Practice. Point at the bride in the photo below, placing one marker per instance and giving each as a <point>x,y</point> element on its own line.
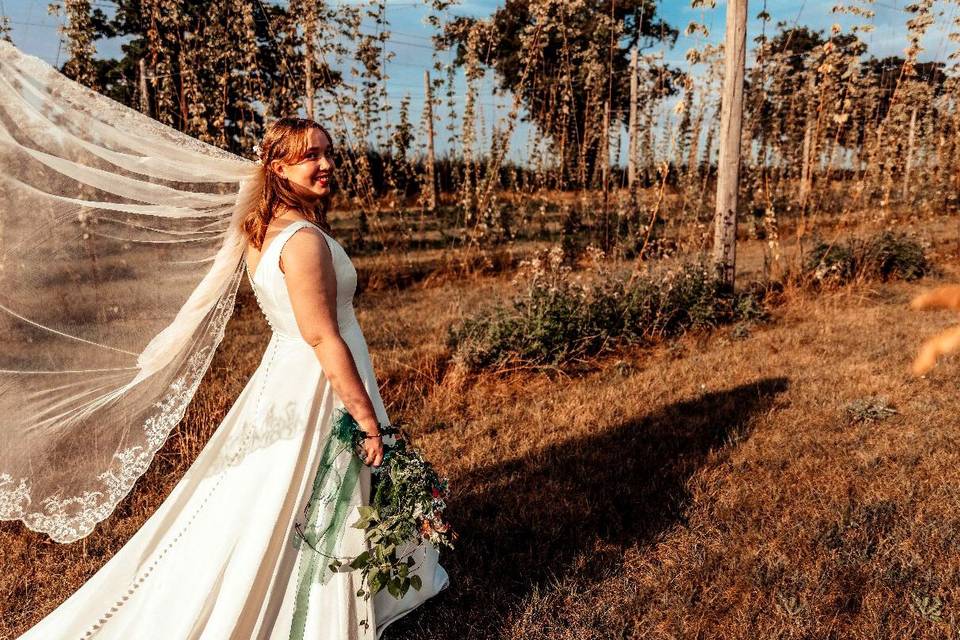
<point>221,557</point>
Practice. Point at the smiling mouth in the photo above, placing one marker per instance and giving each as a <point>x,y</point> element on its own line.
<point>323,178</point>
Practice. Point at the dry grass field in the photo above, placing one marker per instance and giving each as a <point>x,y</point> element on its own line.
<point>733,484</point>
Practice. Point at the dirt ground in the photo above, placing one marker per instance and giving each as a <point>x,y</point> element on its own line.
<point>720,485</point>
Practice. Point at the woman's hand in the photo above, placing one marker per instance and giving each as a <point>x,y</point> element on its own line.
<point>373,451</point>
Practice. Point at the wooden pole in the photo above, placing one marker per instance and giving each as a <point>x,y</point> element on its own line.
<point>309,36</point>
<point>605,150</point>
<point>809,144</point>
<point>605,145</point>
<point>806,167</point>
<point>908,167</point>
<point>632,127</point>
<point>432,194</point>
<point>308,98</point>
<point>144,96</point>
<point>728,164</point>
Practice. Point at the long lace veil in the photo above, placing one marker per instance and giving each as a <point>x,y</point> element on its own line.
<point>120,256</point>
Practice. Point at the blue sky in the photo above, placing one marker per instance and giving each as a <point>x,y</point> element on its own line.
<point>35,32</point>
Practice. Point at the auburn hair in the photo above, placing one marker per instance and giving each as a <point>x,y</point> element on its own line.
<point>286,140</point>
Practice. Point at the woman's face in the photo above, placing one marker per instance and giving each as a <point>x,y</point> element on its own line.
<point>310,178</point>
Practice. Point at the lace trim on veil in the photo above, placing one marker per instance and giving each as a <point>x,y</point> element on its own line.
<point>71,519</point>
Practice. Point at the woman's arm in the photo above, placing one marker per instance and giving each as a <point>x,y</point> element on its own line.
<point>312,285</point>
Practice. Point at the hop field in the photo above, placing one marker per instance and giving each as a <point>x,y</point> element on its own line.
<point>643,301</point>
<point>718,483</point>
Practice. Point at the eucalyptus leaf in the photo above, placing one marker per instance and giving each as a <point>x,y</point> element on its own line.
<point>368,512</point>
<point>376,582</point>
<point>361,560</point>
<point>394,588</point>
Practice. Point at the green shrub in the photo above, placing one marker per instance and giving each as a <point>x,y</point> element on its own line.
<point>885,256</point>
<point>557,319</point>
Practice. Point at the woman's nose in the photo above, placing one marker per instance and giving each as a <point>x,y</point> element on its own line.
<point>326,162</point>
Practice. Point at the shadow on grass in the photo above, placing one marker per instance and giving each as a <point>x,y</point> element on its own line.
<point>524,521</point>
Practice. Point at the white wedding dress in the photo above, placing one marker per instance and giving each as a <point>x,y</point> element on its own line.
<point>217,560</point>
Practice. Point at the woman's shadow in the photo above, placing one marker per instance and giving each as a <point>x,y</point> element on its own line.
<point>523,522</point>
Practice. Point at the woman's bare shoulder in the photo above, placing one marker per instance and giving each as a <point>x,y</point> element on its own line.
<point>305,249</point>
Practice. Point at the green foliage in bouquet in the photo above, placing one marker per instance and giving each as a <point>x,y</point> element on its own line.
<point>406,508</point>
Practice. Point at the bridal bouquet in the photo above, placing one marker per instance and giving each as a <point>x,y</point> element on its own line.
<point>406,508</point>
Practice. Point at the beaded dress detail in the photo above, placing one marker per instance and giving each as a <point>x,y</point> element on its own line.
<point>218,559</point>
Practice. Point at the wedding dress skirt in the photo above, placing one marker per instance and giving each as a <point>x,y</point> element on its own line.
<point>218,558</point>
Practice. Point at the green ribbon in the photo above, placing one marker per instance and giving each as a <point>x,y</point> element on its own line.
<point>328,488</point>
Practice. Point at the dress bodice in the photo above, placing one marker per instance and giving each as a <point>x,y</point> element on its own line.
<point>270,288</point>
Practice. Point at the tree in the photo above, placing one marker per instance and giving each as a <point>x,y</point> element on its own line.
<point>885,73</point>
<point>565,92</point>
<point>215,68</point>
<point>78,32</point>
<point>5,29</point>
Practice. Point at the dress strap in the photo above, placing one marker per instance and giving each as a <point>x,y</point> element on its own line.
<point>282,238</point>
<point>266,256</point>
<point>287,232</point>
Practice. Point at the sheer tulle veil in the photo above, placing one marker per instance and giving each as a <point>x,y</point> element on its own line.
<point>120,256</point>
